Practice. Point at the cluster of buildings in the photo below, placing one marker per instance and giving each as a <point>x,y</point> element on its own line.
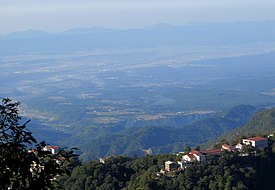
<point>37,167</point>
<point>51,149</point>
<point>188,159</point>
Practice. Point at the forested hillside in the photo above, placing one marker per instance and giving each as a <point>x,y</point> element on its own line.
<point>247,168</point>
<point>164,139</point>
<point>250,168</point>
<point>229,171</point>
<point>262,123</point>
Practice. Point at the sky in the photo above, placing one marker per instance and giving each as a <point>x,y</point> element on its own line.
<point>61,15</point>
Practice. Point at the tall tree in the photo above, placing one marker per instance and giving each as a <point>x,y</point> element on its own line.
<point>23,162</point>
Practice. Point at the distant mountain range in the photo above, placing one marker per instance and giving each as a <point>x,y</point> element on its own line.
<point>160,35</point>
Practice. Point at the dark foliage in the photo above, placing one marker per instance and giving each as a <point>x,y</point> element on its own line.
<point>23,163</point>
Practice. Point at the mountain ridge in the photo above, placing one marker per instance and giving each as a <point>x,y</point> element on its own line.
<point>157,36</point>
<point>34,32</point>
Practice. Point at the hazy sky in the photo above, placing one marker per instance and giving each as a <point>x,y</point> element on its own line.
<point>60,15</point>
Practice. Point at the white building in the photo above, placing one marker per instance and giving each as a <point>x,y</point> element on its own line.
<point>184,164</point>
<point>169,166</point>
<point>189,158</point>
<point>198,155</point>
<point>194,155</point>
<point>52,149</point>
<point>257,142</point>
<point>228,148</point>
<point>239,146</point>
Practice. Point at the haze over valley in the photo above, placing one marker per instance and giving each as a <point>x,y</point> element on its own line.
<point>82,85</point>
<point>148,94</point>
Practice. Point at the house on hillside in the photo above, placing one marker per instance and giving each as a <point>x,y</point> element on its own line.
<point>198,155</point>
<point>103,160</point>
<point>190,158</point>
<point>215,152</point>
<point>193,156</point>
<point>256,142</point>
<point>228,148</point>
<point>169,166</point>
<point>239,146</point>
<point>52,149</point>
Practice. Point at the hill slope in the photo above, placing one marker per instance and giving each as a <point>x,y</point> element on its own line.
<point>225,172</point>
<point>261,124</point>
<point>163,139</point>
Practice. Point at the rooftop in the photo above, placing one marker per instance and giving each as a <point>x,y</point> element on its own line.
<point>191,155</point>
<point>258,138</point>
<point>195,152</point>
<point>212,151</point>
<point>226,146</point>
<point>169,162</point>
<point>53,147</point>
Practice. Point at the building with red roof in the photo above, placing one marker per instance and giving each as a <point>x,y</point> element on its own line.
<point>193,156</point>
<point>189,158</point>
<point>52,149</point>
<point>195,152</point>
<point>212,151</point>
<point>228,147</point>
<point>256,142</point>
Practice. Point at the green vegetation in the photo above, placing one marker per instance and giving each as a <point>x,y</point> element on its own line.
<point>84,98</point>
<point>23,162</point>
<point>248,170</point>
<point>38,169</point>
<point>262,123</point>
<point>229,171</point>
<point>163,139</point>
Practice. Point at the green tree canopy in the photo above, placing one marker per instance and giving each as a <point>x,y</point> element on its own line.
<point>23,162</point>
